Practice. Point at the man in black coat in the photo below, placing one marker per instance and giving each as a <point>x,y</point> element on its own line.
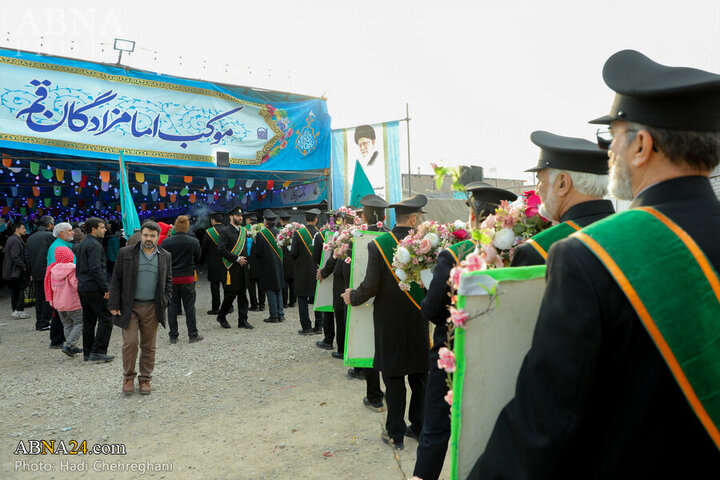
<point>93,290</point>
<point>595,397</point>
<point>36,249</point>
<point>14,269</point>
<point>140,291</point>
<point>185,251</point>
<point>572,181</point>
<point>288,290</point>
<point>233,249</point>
<point>401,334</point>
<point>336,317</point>
<point>269,258</point>
<point>256,294</point>
<point>433,441</point>
<point>305,273</point>
<point>216,271</point>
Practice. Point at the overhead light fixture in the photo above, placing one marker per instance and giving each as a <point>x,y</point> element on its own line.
<point>122,45</point>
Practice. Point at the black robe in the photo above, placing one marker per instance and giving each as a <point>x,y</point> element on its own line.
<point>216,271</point>
<point>401,333</point>
<point>270,265</point>
<point>228,237</point>
<point>594,398</point>
<point>305,266</point>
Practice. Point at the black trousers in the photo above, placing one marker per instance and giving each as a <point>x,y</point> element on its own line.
<point>304,313</point>
<point>95,312</point>
<point>372,385</point>
<point>435,435</point>
<point>43,310</point>
<point>395,395</point>
<point>184,293</point>
<point>288,292</point>
<point>328,327</point>
<point>242,302</point>
<point>257,296</point>
<point>17,299</point>
<point>215,293</point>
<point>57,331</point>
<point>339,315</point>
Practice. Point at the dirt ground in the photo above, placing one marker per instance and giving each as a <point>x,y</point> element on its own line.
<point>241,404</point>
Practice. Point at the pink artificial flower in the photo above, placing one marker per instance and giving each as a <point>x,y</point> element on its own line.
<point>424,247</point>
<point>474,262</point>
<point>455,275</point>
<point>379,224</point>
<point>509,221</point>
<point>363,227</point>
<point>488,223</point>
<point>459,317</point>
<point>446,360</point>
<point>348,260</point>
<point>449,397</point>
<point>489,254</point>
<point>460,234</point>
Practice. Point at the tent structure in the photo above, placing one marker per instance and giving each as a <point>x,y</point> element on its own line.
<point>187,144</point>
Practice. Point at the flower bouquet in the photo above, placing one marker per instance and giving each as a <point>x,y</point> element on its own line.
<point>416,255</point>
<point>255,229</point>
<point>457,232</point>
<point>339,243</point>
<point>284,236</point>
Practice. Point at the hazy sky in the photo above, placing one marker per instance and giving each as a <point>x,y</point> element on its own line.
<point>479,76</point>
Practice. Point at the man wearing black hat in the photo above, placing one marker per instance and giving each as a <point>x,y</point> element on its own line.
<point>288,290</point>
<point>269,258</point>
<point>255,293</point>
<point>433,441</point>
<point>621,380</point>
<point>301,251</point>
<point>216,271</point>
<point>233,248</point>
<point>401,334</point>
<point>572,180</point>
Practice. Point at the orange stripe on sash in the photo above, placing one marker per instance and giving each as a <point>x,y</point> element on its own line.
<point>573,225</point>
<point>538,248</point>
<point>652,329</point>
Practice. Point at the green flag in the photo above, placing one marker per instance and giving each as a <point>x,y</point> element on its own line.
<point>361,185</point>
<point>130,219</point>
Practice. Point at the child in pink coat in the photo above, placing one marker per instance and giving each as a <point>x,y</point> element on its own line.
<point>61,292</point>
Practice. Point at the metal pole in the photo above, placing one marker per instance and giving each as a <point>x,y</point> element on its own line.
<point>407,122</point>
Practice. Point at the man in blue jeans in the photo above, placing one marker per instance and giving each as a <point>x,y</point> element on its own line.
<point>269,258</point>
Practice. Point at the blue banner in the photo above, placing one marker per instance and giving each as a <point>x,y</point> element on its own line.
<point>64,106</point>
<point>376,148</point>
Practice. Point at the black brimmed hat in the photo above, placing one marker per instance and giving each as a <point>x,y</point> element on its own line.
<point>269,214</point>
<point>648,93</point>
<point>373,201</point>
<point>487,193</point>
<point>569,153</point>
<point>235,211</point>
<point>411,205</point>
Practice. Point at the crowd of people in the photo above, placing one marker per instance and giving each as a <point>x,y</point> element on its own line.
<point>600,394</point>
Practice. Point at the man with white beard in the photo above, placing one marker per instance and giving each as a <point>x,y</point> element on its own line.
<point>572,180</point>
<point>621,380</point>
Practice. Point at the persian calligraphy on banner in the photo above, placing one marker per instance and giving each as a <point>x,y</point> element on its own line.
<point>63,106</point>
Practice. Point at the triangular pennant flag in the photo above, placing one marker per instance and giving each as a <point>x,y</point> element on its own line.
<point>65,201</point>
<point>270,184</point>
<point>249,183</point>
<point>23,211</point>
<point>83,181</point>
<point>192,198</point>
<point>48,201</point>
<point>163,191</point>
<point>76,175</point>
<point>36,191</point>
<point>34,168</point>
<point>60,174</point>
<point>14,191</point>
<point>154,195</point>
<point>164,178</point>
<point>139,177</point>
<point>172,197</point>
<point>210,182</point>
<point>7,161</point>
<point>231,183</point>
<point>104,186</point>
<point>144,189</point>
<point>184,191</point>
<point>187,179</point>
<point>143,206</point>
<point>97,205</point>
<point>287,184</point>
<point>58,190</point>
<point>105,176</point>
<point>161,205</point>
<point>116,193</point>
<point>47,173</point>
<point>30,202</point>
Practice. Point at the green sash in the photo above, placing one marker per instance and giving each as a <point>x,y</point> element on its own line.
<point>236,250</point>
<point>268,235</point>
<point>387,244</point>
<point>306,239</point>
<point>214,235</point>
<point>544,240</point>
<point>676,295</point>
<point>461,250</point>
